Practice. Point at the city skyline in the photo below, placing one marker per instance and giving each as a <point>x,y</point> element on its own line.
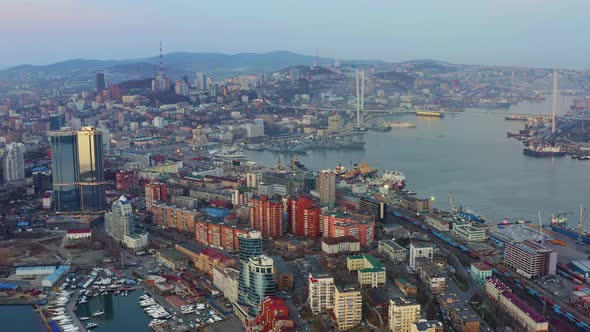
<point>391,32</point>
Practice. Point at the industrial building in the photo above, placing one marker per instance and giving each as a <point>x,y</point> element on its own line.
<point>469,233</point>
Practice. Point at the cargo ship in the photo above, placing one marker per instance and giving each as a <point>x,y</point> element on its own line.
<point>430,113</point>
<point>559,225</point>
<point>515,118</point>
<point>363,170</point>
<point>543,151</point>
<point>462,214</point>
<point>395,179</point>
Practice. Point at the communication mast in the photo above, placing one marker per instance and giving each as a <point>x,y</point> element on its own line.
<point>555,78</point>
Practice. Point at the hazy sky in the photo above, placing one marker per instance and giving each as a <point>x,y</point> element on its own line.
<point>508,32</point>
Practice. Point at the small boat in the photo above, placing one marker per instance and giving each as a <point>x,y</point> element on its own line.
<point>98,313</point>
<point>84,318</point>
<point>91,325</point>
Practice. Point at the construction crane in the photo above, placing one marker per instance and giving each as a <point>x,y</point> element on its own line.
<point>580,239</point>
<point>452,201</point>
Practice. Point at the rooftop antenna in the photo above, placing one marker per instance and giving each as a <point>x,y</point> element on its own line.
<point>555,78</point>
<point>315,62</point>
<point>541,229</point>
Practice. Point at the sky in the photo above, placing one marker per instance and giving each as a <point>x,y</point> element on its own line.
<point>540,33</point>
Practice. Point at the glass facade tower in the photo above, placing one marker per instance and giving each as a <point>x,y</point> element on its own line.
<point>78,173</point>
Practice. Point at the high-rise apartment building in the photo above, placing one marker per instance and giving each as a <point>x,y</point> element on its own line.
<point>348,307</point>
<point>14,164</point>
<point>119,220</point>
<point>530,259</point>
<point>327,187</point>
<point>155,192</point>
<point>266,216</point>
<point>253,179</point>
<point>321,293</point>
<point>78,171</point>
<point>420,249</point>
<point>304,217</point>
<point>403,312</point>
<point>201,83</point>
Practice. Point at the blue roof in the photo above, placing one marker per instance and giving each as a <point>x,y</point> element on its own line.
<point>4,286</point>
<point>22,223</point>
<point>40,169</point>
<point>215,212</point>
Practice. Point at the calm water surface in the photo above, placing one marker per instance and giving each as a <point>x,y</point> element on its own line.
<point>469,155</point>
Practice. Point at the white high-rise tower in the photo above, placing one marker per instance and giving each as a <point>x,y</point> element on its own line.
<point>14,163</point>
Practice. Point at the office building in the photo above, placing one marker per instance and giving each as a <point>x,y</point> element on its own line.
<point>420,249</point>
<point>201,82</point>
<point>304,217</point>
<point>370,271</point>
<point>530,259</point>
<point>155,192</point>
<point>56,121</point>
<point>253,179</point>
<point>100,83</point>
<point>261,282</point>
<point>226,280</point>
<point>340,245</point>
<point>13,164</point>
<point>119,221</point>
<point>469,233</point>
<point>266,216</point>
<point>403,312</point>
<point>418,205</point>
<point>250,246</point>
<point>327,187</point>
<point>396,253</point>
<point>78,173</point>
<point>373,208</point>
<point>321,293</point>
<point>348,307</point>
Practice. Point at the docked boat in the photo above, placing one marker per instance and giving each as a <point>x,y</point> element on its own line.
<point>91,326</point>
<point>98,313</point>
<point>559,225</point>
<point>462,214</point>
<point>84,318</point>
<point>515,118</point>
<point>435,114</point>
<point>395,179</point>
<point>543,151</point>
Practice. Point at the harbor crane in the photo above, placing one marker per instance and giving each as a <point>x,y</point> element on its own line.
<point>580,239</point>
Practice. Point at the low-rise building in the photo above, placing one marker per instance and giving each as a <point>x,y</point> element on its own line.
<point>424,325</point>
<point>405,286</point>
<point>431,274</point>
<point>396,253</point>
<point>284,277</point>
<point>418,205</point>
<point>420,249</point>
<point>75,234</point>
<point>136,241</point>
<point>470,233</point>
<point>340,245</point>
<point>206,259</point>
<point>532,320</point>
<point>371,272</point>
<point>402,313</point>
<point>480,271</point>
<point>172,259</point>
<point>461,316</point>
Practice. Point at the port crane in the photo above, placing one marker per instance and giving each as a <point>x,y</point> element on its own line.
<point>452,201</point>
<point>580,239</point>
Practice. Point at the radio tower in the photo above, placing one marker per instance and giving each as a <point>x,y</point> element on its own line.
<point>161,67</point>
<point>315,61</point>
<point>555,78</point>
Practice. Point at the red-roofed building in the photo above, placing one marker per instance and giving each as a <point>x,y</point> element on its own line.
<point>273,317</point>
<point>333,226</point>
<point>206,259</point>
<point>78,234</point>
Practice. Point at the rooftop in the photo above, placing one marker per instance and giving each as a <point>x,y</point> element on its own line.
<point>404,301</point>
<point>340,239</point>
<point>172,254</point>
<point>392,244</point>
<point>537,317</point>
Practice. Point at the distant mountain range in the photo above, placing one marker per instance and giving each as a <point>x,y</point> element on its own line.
<point>176,64</point>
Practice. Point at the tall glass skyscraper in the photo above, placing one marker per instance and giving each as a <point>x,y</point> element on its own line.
<point>78,173</point>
